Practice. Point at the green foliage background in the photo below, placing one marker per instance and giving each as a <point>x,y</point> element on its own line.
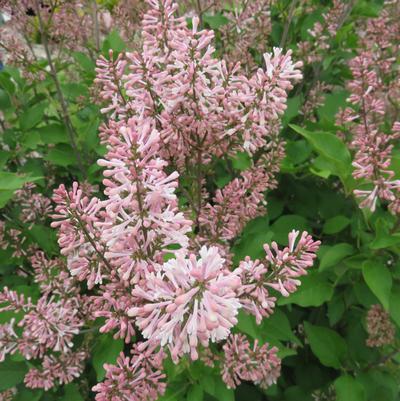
<point>320,330</point>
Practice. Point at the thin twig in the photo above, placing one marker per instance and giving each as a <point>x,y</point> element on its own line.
<point>53,73</point>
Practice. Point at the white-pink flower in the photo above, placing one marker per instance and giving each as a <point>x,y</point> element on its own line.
<point>188,301</point>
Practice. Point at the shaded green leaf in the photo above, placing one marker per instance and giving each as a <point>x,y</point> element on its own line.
<point>106,350</point>
<point>284,224</point>
<point>336,224</point>
<point>12,373</point>
<point>349,389</point>
<point>71,393</point>
<point>327,345</point>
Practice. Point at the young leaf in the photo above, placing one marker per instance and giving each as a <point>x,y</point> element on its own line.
<point>330,147</point>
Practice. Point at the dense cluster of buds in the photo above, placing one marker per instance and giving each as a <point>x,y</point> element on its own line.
<point>381,330</point>
<point>243,362</point>
<point>135,378</point>
<point>373,119</point>
<point>155,250</point>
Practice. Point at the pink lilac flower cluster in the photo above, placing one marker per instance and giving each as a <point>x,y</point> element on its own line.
<point>371,120</point>
<point>154,251</point>
<point>35,207</point>
<point>315,49</point>
<point>48,327</point>
<point>8,395</point>
<point>70,25</point>
<point>12,238</point>
<point>243,362</point>
<point>136,378</point>
<point>280,272</point>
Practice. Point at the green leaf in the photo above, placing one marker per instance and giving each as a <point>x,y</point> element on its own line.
<point>53,133</point>
<point>292,110</point>
<point>327,345</point>
<point>384,240</point>
<point>173,393</point>
<point>72,90</point>
<point>332,103</point>
<point>5,101</point>
<point>215,21</point>
<point>13,181</point>
<point>5,196</point>
<point>25,394</point>
<point>32,116</point>
<point>71,393</point>
<point>252,245</point>
<point>278,326</point>
<point>349,389</point>
<point>85,62</point>
<point>105,351</point>
<point>379,385</point>
<point>364,295</point>
<point>334,255</point>
<point>336,309</point>
<point>61,155</point>
<point>379,280</point>
<point>335,224</point>
<point>4,156</point>
<point>298,151</point>
<point>282,227</point>
<point>223,393</point>
<point>114,42</point>
<point>247,324</point>
<point>6,82</point>
<point>195,393</point>
<point>208,383</point>
<point>31,140</point>
<point>241,161</point>
<point>394,309</point>
<point>45,237</point>
<point>331,148</point>
<point>12,373</point>
<point>313,291</point>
